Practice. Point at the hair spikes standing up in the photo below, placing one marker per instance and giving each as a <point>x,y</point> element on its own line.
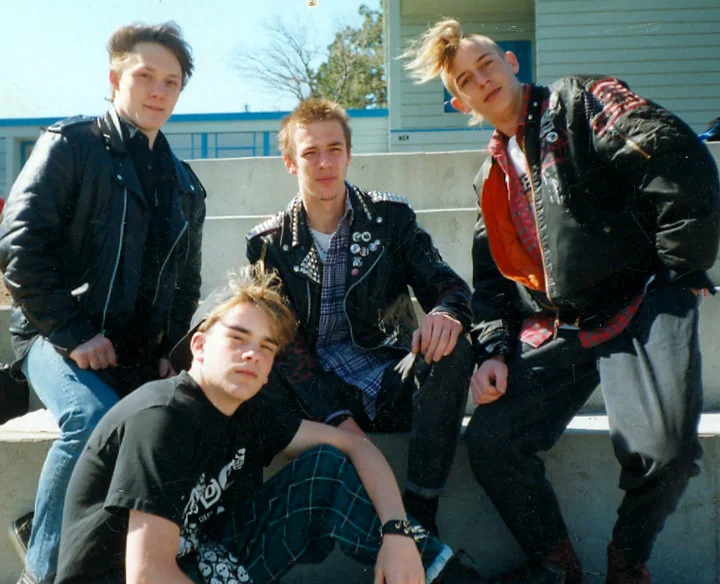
<point>432,54</point>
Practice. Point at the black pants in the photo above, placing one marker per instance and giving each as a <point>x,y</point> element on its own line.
<point>651,381</point>
<point>429,403</point>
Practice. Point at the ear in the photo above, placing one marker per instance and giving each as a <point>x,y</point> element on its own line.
<point>459,105</point>
<point>197,346</point>
<point>512,60</point>
<point>290,164</point>
<point>114,78</point>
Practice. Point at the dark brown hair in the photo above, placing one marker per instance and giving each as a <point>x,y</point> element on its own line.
<point>168,34</point>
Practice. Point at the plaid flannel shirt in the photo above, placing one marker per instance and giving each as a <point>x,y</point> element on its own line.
<point>335,349</point>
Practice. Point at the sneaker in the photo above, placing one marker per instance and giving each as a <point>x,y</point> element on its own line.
<point>27,578</point>
<point>19,534</point>
<point>455,572</point>
<point>621,571</point>
<point>559,566</point>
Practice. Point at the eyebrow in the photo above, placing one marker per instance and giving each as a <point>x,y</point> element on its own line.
<point>480,58</point>
<point>154,70</point>
<point>241,329</point>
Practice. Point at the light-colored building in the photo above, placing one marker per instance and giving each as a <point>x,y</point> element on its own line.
<point>666,50</point>
<point>192,136</point>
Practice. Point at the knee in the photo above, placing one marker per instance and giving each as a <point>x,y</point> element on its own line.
<point>669,462</point>
<point>322,462</point>
<point>485,444</point>
<point>78,421</point>
<point>459,363</point>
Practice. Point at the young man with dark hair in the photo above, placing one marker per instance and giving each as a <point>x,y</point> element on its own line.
<point>169,488</point>
<point>599,215</point>
<point>100,247</point>
<point>346,258</point>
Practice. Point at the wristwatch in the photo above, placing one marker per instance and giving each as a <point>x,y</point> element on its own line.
<point>397,527</point>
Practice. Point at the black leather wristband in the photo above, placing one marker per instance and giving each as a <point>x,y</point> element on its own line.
<point>397,527</point>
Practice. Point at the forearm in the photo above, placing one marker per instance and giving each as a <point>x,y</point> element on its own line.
<point>378,479</point>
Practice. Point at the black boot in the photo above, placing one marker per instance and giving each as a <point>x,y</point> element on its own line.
<point>423,510</point>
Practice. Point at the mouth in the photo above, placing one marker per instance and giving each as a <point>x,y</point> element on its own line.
<point>247,373</point>
<point>155,109</point>
<point>492,94</point>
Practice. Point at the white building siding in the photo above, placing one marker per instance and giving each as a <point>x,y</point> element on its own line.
<point>665,50</point>
<point>3,164</point>
<point>422,124</point>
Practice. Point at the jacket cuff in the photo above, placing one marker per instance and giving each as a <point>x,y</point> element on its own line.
<point>65,340</point>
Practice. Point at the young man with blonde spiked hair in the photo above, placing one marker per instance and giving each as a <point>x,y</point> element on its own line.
<point>346,258</point>
<point>170,487</point>
<point>100,246</point>
<point>599,215</point>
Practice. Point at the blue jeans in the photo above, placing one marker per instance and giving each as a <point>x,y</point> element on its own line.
<point>77,399</point>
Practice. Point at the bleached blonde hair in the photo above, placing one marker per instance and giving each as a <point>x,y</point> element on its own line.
<point>432,54</point>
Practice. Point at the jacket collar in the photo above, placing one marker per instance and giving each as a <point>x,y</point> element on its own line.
<point>296,239</point>
<point>125,174</point>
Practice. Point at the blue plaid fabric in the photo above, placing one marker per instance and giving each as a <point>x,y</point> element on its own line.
<point>335,349</point>
<point>297,517</point>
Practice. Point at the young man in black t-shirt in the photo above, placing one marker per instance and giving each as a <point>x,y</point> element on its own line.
<point>169,487</point>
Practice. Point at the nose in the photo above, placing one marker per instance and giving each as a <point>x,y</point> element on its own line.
<point>480,78</point>
<point>158,89</point>
<point>324,158</point>
<point>251,353</point>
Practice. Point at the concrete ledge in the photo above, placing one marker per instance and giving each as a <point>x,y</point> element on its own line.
<point>581,466</point>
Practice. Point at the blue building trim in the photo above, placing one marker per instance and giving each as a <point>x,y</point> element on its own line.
<point>426,130</point>
<point>216,117</point>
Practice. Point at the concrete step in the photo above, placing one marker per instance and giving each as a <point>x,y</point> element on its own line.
<point>262,186</point>
<point>581,466</point>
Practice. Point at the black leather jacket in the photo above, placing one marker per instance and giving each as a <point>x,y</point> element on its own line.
<point>377,301</point>
<point>77,208</point>
<point>621,190</point>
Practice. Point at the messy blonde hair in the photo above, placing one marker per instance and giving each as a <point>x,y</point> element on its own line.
<point>308,112</point>
<point>432,54</point>
<point>262,289</point>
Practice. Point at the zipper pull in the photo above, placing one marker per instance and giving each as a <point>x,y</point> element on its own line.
<point>556,325</point>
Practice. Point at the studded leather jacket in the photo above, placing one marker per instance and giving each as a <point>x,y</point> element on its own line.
<point>388,253</point>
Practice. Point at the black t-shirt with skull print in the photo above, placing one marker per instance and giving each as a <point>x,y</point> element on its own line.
<point>167,451</point>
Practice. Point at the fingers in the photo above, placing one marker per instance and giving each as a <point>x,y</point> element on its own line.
<point>416,341</point>
<point>438,336</point>
<point>489,382</point>
<point>97,353</point>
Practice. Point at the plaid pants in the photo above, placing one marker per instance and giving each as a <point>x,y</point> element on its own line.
<point>297,517</point>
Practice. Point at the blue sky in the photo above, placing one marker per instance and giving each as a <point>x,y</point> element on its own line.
<point>53,60</point>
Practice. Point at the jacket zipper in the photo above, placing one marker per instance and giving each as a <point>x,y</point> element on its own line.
<point>117,261</point>
<point>172,248</point>
<point>309,311</point>
<point>347,318</point>
<point>556,320</point>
